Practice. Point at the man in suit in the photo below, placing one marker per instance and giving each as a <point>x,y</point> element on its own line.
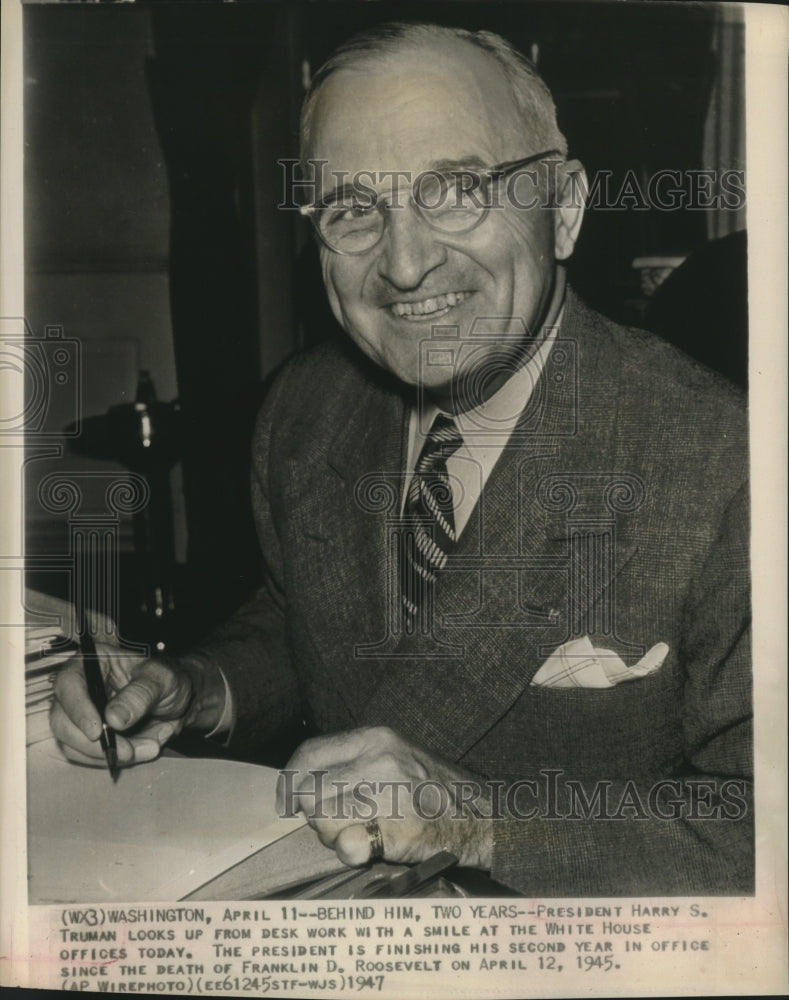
<point>505,539</point>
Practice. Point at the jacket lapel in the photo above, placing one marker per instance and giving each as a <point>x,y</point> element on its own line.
<point>344,502</point>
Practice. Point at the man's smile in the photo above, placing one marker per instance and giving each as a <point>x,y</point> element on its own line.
<point>435,305</point>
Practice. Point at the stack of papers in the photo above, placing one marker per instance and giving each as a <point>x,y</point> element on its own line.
<point>46,650</point>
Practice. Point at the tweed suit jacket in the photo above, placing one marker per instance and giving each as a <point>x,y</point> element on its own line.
<point>618,510</point>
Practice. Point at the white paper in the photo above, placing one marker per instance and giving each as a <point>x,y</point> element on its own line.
<point>185,821</point>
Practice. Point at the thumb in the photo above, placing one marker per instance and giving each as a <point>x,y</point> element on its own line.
<point>136,700</point>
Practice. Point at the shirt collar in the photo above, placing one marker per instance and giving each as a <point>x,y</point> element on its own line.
<point>497,416</point>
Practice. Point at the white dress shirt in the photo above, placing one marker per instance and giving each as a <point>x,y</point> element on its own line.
<point>485,431</point>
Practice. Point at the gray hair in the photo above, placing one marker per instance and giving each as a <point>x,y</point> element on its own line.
<point>529,91</point>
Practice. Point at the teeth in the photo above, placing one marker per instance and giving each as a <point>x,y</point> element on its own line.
<point>428,306</point>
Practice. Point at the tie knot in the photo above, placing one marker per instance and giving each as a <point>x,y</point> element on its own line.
<point>443,440</point>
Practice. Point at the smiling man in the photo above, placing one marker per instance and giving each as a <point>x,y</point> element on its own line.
<point>399,118</point>
<point>506,540</point>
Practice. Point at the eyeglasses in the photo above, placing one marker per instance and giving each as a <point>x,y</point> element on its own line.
<point>452,203</point>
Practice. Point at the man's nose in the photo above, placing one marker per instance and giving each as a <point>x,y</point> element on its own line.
<point>409,250</point>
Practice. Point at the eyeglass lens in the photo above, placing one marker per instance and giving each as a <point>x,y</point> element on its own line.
<point>450,204</point>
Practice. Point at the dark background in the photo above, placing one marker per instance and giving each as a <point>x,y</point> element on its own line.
<point>152,133</point>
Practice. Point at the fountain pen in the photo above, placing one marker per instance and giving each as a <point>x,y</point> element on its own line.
<point>98,695</point>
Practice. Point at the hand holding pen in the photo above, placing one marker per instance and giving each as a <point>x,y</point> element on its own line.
<point>116,696</point>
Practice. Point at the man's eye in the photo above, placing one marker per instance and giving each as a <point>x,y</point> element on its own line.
<point>467,191</point>
<point>459,191</point>
<point>356,210</point>
<point>349,207</point>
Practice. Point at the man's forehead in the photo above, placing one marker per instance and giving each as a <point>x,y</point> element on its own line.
<point>409,111</point>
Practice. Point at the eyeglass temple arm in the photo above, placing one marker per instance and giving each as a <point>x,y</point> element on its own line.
<point>510,165</point>
<point>499,170</point>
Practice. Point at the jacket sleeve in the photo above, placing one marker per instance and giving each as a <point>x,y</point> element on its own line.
<point>692,832</point>
<point>251,648</point>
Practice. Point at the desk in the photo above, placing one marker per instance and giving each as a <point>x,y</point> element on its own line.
<point>177,828</point>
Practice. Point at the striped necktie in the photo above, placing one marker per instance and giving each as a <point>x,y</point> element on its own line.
<point>428,523</point>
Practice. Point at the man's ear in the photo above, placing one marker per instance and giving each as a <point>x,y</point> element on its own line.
<point>571,188</point>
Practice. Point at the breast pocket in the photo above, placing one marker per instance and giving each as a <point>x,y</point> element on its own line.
<point>633,730</point>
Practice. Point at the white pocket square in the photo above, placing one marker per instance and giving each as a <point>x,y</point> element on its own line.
<point>578,664</point>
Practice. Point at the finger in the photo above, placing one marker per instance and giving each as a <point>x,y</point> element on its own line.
<point>135,701</point>
<point>148,743</point>
<point>71,691</point>
<point>329,817</point>
<point>406,841</point>
<point>350,793</point>
<point>144,749</point>
<point>329,751</point>
<point>119,666</point>
<point>322,765</point>
<point>292,777</point>
<point>77,746</point>
<point>408,838</point>
<point>130,752</point>
<point>332,832</point>
<point>354,845</point>
<point>314,756</point>
<point>160,730</point>
<point>71,736</point>
<point>76,757</point>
